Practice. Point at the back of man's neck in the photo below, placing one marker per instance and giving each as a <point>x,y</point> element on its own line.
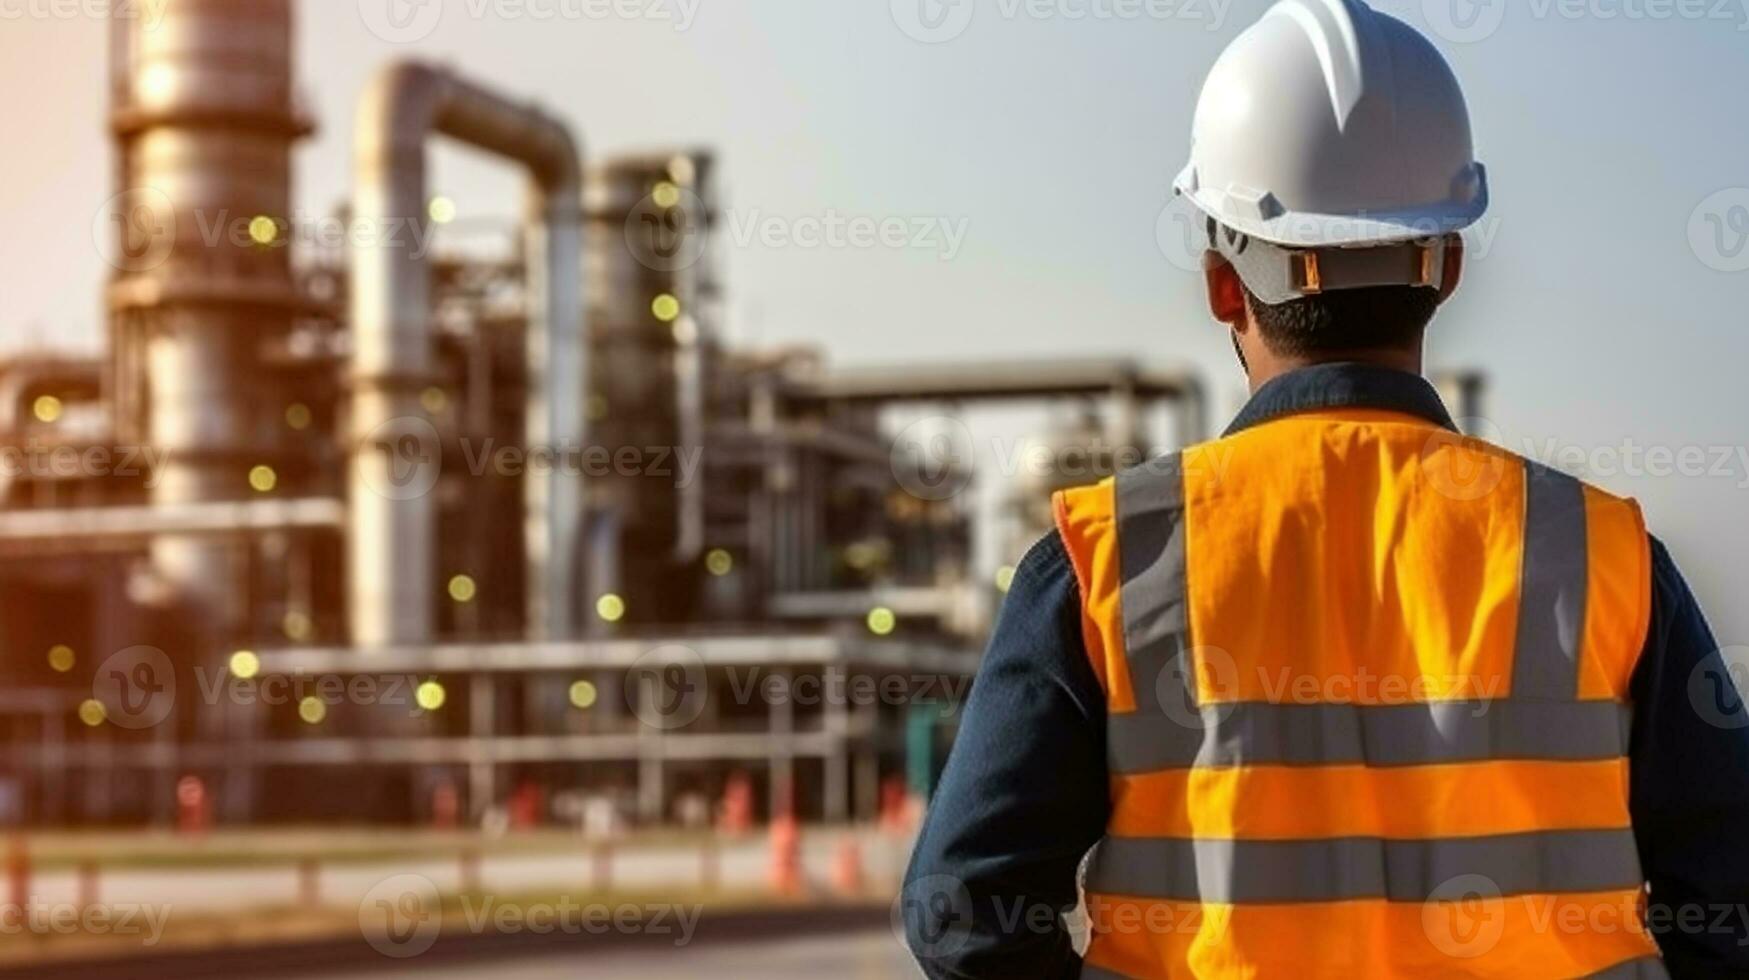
<point>1397,360</point>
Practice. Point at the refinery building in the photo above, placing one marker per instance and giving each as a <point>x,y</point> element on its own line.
<point>345,528</point>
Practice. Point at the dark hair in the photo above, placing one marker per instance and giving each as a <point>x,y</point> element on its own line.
<point>1387,317</point>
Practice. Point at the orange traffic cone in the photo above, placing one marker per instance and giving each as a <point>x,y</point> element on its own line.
<point>847,867</point>
<point>18,870</point>
<point>786,855</point>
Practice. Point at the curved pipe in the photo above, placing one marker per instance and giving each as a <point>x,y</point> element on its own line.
<point>390,543</point>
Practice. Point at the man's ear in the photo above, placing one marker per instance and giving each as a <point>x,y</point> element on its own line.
<point>1226,296</point>
<point>1454,266</point>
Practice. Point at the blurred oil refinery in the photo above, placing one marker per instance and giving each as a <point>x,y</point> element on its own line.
<point>363,531</point>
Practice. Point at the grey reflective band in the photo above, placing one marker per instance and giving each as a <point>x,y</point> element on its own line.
<point>1279,274</point>
<point>1149,503</point>
<point>1648,968</point>
<point>1551,587</point>
<point>1229,872</point>
<point>1254,733</point>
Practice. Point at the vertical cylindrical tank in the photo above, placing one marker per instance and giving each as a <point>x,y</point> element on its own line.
<point>653,294</point>
<point>204,120</point>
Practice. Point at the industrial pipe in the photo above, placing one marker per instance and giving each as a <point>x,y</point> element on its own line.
<point>390,544</point>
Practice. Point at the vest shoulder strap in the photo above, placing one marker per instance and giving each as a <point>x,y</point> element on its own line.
<point>1585,590</point>
<point>1110,532</point>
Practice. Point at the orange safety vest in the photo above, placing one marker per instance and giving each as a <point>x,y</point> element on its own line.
<point>1367,687</point>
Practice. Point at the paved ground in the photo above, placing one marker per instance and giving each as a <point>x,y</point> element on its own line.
<point>870,954</point>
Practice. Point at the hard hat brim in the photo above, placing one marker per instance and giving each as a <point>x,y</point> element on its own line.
<point>1260,217</point>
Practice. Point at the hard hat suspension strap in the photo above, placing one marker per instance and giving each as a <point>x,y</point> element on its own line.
<point>1278,274</point>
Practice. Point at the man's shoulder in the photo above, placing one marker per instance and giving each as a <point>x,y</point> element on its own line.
<point>1542,470</point>
<point>1085,510</point>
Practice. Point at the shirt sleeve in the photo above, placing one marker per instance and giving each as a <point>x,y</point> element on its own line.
<point>1023,797</point>
<point>1690,785</point>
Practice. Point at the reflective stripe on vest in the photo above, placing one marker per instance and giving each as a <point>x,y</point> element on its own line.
<point>1227,872</point>
<point>1185,766</point>
<point>1645,968</point>
<point>1255,733</point>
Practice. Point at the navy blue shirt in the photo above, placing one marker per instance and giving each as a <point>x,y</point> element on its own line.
<point>1025,793</point>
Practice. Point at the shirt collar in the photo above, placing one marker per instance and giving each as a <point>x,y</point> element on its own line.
<point>1343,385</point>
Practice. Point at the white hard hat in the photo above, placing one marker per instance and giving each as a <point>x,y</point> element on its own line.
<point>1328,124</point>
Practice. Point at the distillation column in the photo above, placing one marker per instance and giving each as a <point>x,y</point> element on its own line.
<point>204,120</point>
<point>653,311</point>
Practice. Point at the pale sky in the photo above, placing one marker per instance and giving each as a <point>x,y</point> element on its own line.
<point>1606,299</point>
